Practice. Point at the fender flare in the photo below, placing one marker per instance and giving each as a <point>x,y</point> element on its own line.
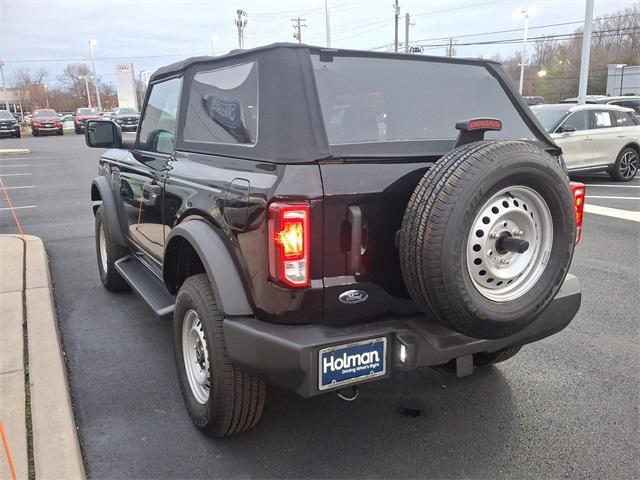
<point>106,196</point>
<point>223,274</point>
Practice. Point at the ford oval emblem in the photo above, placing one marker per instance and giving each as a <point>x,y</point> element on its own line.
<point>351,297</point>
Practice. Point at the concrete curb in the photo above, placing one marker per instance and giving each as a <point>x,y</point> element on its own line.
<point>14,151</point>
<point>25,287</point>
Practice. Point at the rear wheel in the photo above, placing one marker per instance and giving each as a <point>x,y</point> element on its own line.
<point>221,399</point>
<point>78,131</point>
<point>60,132</point>
<point>107,253</point>
<point>488,237</point>
<point>626,166</point>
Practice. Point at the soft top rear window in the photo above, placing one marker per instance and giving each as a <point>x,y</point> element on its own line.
<point>369,99</point>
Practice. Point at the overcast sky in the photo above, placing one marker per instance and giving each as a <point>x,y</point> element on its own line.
<point>152,33</point>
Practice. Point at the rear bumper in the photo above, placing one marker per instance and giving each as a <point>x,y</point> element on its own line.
<point>288,355</point>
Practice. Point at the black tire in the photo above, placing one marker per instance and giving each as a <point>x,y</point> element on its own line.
<point>485,359</point>
<point>34,133</point>
<point>236,399</point>
<point>78,131</point>
<point>110,277</point>
<point>17,134</point>
<point>60,132</point>
<point>626,166</point>
<point>437,224</point>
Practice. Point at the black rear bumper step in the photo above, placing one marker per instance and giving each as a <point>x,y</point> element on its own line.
<point>146,284</point>
<point>287,355</point>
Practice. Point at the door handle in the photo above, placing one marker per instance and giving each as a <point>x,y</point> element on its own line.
<point>622,135</point>
<point>587,139</point>
<point>354,217</point>
<point>152,188</point>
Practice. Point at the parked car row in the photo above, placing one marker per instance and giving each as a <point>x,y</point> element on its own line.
<point>47,120</point>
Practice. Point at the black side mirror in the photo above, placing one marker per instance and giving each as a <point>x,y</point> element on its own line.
<point>566,128</point>
<point>103,134</point>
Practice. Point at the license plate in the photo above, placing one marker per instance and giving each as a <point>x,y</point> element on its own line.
<point>350,363</point>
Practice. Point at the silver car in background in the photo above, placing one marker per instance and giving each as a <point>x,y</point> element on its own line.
<point>594,138</point>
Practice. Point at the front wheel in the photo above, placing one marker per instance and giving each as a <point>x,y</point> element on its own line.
<point>60,132</point>
<point>221,399</point>
<point>34,133</point>
<point>108,252</point>
<point>17,134</point>
<point>626,166</point>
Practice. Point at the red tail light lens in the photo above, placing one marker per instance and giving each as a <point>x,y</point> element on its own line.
<point>289,243</point>
<point>484,124</point>
<point>578,190</point>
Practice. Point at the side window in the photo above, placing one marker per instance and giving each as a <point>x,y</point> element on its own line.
<point>601,119</point>
<point>635,104</point>
<point>223,106</point>
<point>580,120</point>
<point>158,127</point>
<point>622,119</point>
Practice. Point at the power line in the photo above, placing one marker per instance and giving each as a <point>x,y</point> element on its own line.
<point>495,32</point>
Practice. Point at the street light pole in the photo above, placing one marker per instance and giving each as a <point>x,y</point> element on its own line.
<point>525,14</point>
<point>214,39</point>
<point>46,95</point>
<point>4,88</point>
<point>327,23</point>
<point>95,76</point>
<point>586,51</point>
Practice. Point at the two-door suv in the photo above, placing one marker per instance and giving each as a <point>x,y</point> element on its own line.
<point>320,218</point>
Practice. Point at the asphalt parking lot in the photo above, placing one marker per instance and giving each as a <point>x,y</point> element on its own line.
<point>564,407</point>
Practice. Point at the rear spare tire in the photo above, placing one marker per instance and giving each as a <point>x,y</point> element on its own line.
<point>487,237</point>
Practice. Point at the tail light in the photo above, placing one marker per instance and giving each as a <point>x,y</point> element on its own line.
<point>578,190</point>
<point>289,243</point>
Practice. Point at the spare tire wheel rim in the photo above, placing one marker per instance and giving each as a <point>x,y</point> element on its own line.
<point>521,215</point>
<point>195,355</point>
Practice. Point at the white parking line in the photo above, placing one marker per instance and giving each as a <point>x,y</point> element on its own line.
<point>13,174</point>
<point>17,188</point>
<point>5,166</point>
<point>613,198</point>
<point>612,212</point>
<point>18,208</point>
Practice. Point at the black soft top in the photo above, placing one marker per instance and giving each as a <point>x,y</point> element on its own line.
<point>180,66</point>
<point>291,128</point>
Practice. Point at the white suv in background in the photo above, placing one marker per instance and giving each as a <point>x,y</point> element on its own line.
<point>594,137</point>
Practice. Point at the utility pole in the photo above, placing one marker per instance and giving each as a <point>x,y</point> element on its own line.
<point>95,76</point>
<point>46,95</point>
<point>297,27</point>
<point>586,51</point>
<point>407,25</point>
<point>20,102</point>
<point>241,22</point>
<point>451,50</point>
<point>4,87</point>
<point>327,23</point>
<point>396,9</point>
<point>86,86</point>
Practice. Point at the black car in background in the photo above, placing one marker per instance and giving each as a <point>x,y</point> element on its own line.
<point>127,118</point>
<point>9,125</point>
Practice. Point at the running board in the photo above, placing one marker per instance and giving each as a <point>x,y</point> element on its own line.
<point>146,284</point>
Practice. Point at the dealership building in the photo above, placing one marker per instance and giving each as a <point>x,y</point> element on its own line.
<point>623,79</point>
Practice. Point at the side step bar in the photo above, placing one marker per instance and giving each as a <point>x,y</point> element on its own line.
<point>146,284</point>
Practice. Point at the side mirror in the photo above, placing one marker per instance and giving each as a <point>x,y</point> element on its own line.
<point>103,134</point>
<point>566,128</point>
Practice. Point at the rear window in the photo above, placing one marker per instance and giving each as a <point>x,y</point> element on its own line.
<point>223,106</point>
<point>368,99</point>
<point>87,111</point>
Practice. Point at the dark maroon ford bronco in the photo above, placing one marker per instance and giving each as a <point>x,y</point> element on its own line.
<point>318,218</point>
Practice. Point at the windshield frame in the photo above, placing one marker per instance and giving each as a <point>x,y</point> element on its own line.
<point>559,121</point>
